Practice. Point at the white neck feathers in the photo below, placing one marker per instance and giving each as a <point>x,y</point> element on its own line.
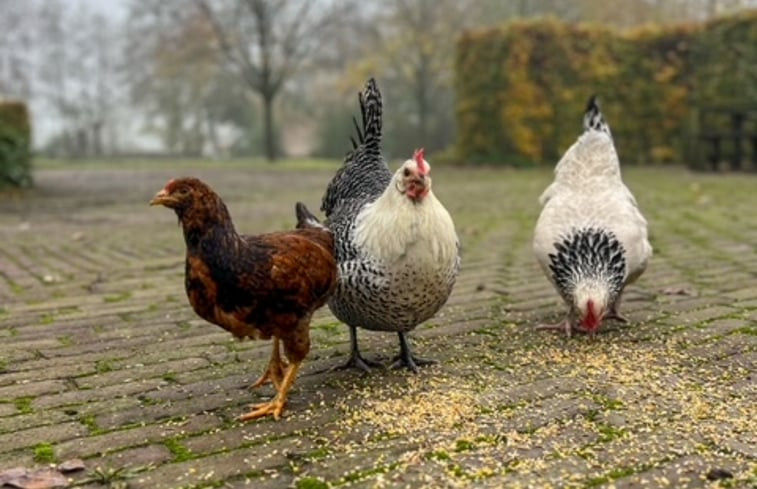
<point>394,228</point>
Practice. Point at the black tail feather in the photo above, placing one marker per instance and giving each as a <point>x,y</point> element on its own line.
<point>305,219</point>
<point>593,119</point>
<point>360,138</point>
<point>370,110</point>
<point>364,174</point>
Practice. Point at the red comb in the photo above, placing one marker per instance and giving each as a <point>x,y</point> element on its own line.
<point>418,157</point>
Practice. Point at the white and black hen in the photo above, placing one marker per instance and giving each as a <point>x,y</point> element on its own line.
<point>591,238</point>
<point>396,245</point>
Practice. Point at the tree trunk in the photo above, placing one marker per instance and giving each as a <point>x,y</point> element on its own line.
<point>422,97</point>
<point>269,139</point>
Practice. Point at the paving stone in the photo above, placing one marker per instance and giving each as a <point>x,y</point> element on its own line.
<point>31,389</point>
<point>217,467</point>
<point>101,444</point>
<point>43,434</point>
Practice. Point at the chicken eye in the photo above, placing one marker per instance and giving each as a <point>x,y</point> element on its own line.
<point>183,191</point>
<point>407,172</point>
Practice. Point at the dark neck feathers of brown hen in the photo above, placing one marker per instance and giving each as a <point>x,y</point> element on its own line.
<point>206,220</point>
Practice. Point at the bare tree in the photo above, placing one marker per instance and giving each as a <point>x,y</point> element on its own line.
<point>412,56</point>
<point>266,41</point>
<point>77,75</point>
<point>175,74</point>
<point>16,69</point>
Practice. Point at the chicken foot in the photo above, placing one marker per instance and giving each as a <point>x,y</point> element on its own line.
<point>564,325</point>
<point>275,371</point>
<point>406,358</point>
<point>357,360</point>
<point>276,405</point>
<point>617,316</point>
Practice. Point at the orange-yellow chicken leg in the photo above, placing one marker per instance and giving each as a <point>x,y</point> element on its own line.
<point>275,371</point>
<point>276,405</point>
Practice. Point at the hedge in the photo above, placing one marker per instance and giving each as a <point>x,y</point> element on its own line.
<point>521,88</point>
<point>15,145</point>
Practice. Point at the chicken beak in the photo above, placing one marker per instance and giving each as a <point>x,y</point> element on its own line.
<point>161,198</point>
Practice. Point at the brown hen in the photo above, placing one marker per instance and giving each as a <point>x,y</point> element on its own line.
<point>257,287</point>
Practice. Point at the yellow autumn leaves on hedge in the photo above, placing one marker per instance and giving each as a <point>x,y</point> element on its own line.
<point>521,88</point>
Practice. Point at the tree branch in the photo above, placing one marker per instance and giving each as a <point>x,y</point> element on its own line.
<point>251,74</point>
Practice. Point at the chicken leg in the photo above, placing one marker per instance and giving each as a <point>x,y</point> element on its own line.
<point>614,314</point>
<point>407,359</point>
<point>276,405</point>
<point>356,359</point>
<point>564,325</point>
<point>275,371</point>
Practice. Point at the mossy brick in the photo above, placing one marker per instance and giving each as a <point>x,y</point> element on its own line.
<point>23,421</point>
<point>693,305</point>
<point>139,371</point>
<point>217,467</point>
<point>98,445</point>
<point>237,435</point>
<point>52,371</point>
<point>6,409</point>
<point>539,389</point>
<point>42,434</point>
<point>703,315</point>
<point>545,411</point>
<point>102,394</point>
<point>153,413</point>
<point>221,384</point>
<point>689,471</point>
<point>136,457</point>
<point>31,389</point>
<point>724,347</point>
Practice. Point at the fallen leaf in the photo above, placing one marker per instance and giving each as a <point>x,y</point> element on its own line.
<point>38,479</point>
<point>73,465</point>
<point>10,474</point>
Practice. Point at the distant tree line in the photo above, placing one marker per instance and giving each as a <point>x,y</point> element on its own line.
<point>260,77</point>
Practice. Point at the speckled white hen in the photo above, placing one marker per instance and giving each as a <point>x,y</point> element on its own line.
<point>396,245</point>
<point>591,238</point>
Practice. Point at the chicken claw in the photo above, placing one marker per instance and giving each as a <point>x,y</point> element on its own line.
<point>613,314</point>
<point>565,325</point>
<point>357,360</point>
<point>406,359</point>
<point>274,407</point>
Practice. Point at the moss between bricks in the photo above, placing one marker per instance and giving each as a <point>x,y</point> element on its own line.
<point>178,450</point>
<point>44,453</point>
<point>24,404</point>
<point>364,474</point>
<point>311,483</point>
<point>90,422</point>
<point>108,299</point>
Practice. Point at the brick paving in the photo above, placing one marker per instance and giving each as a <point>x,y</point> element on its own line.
<point>102,359</point>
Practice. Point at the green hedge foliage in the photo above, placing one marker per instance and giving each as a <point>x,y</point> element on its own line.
<point>522,88</point>
<point>15,145</point>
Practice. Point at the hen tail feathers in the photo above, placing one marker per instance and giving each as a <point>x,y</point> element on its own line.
<point>370,111</point>
<point>364,174</point>
<point>593,119</point>
<point>305,219</point>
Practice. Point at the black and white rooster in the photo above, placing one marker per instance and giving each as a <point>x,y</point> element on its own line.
<point>396,245</point>
<point>591,238</point>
